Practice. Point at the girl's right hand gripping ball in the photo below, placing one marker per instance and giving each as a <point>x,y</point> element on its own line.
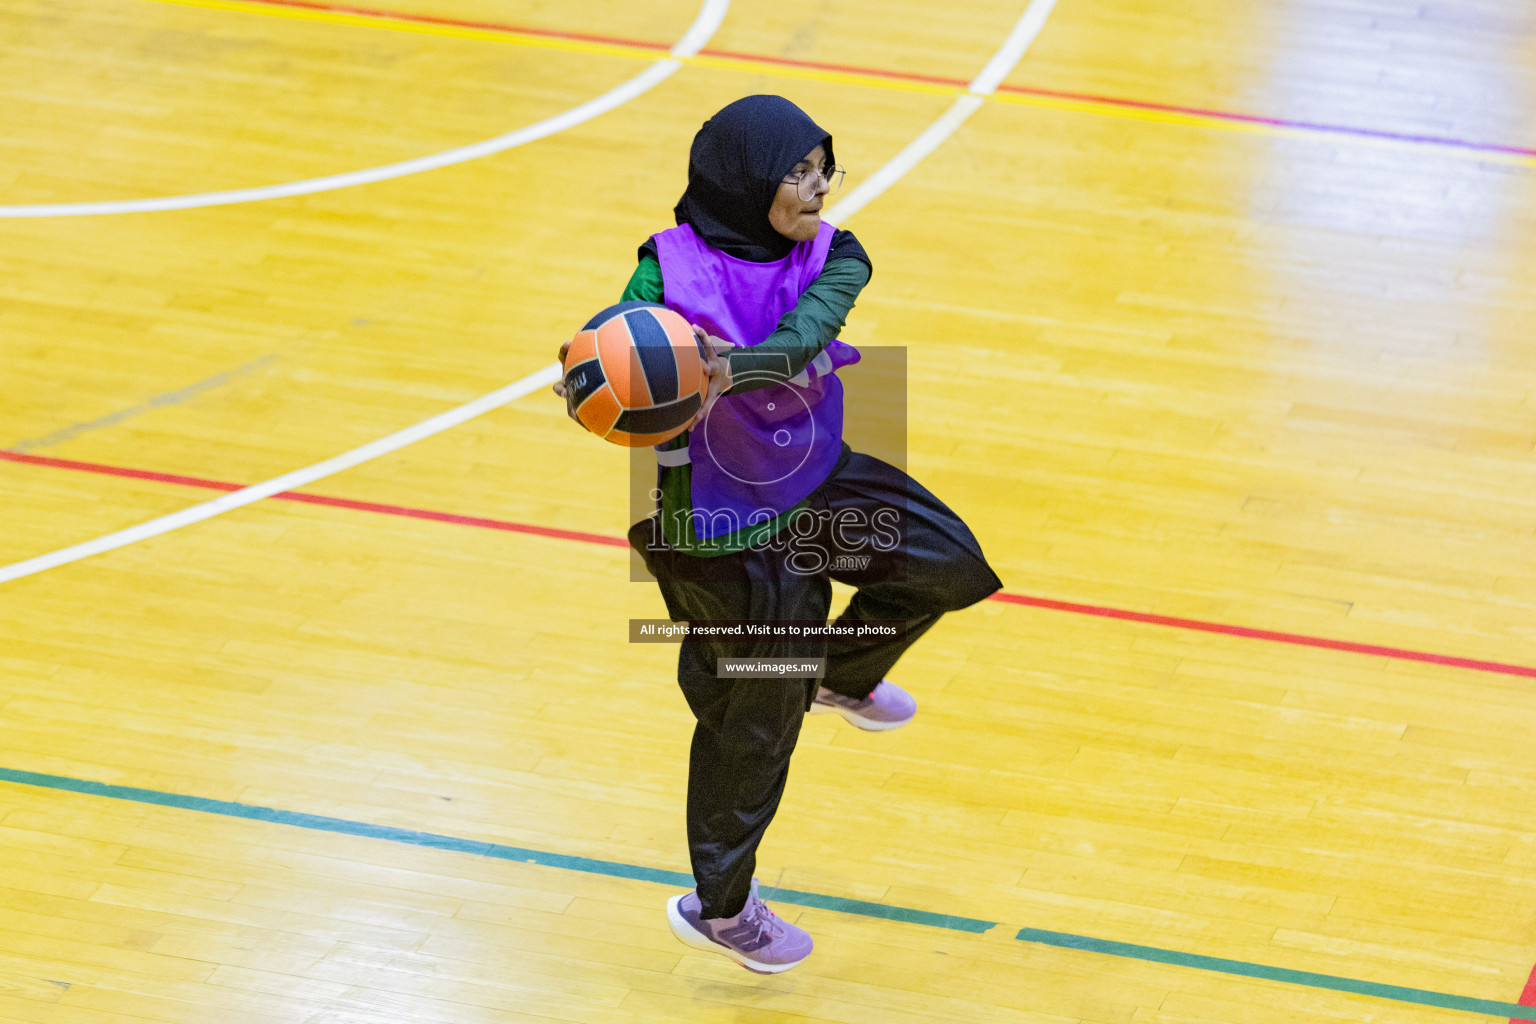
<point>635,374</point>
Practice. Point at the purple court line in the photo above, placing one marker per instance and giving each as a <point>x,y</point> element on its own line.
<point>1276,122</point>
<point>1097,611</point>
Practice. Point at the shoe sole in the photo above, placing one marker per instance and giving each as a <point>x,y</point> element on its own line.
<point>867,724</point>
<point>691,936</point>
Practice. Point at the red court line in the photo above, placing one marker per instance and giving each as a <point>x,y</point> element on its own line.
<point>318,499</point>
<point>489,26</point>
<point>583,37</point>
<point>1099,611</point>
<point>910,76</point>
<point>1298,639</point>
<point>449,517</point>
<point>134,474</point>
<point>851,69</point>
<point>1528,997</point>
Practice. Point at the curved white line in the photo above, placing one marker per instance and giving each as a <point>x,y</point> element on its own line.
<point>1020,39</point>
<point>703,27</point>
<point>710,15</point>
<point>286,482</point>
<point>897,166</point>
<point>996,70</point>
<point>984,84</point>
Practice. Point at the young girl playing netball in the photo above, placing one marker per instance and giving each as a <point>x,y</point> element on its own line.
<point>761,477</point>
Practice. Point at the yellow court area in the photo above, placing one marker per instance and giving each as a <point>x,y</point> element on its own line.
<point>1217,321</point>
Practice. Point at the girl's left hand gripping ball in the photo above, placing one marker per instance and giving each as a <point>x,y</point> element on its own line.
<point>637,374</point>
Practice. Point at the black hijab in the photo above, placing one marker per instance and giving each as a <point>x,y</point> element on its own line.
<point>734,168</point>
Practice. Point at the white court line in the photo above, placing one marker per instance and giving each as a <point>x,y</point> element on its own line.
<point>1020,39</point>
<point>985,84</point>
<point>699,33</point>
<point>287,482</point>
<point>911,155</point>
<point>704,25</point>
<point>991,76</point>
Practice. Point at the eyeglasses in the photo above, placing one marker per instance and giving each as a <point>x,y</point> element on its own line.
<point>805,182</point>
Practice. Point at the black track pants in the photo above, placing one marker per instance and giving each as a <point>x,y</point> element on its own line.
<point>747,728</point>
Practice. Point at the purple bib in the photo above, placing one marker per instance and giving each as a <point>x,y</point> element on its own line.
<point>759,453</point>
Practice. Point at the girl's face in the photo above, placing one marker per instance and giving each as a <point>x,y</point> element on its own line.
<point>792,216</point>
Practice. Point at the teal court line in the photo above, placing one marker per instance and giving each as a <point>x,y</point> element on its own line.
<point>613,869</point>
<point>1422,997</point>
<point>677,879</point>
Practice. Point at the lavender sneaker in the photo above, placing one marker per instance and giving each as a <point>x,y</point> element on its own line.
<point>887,707</point>
<point>756,938</point>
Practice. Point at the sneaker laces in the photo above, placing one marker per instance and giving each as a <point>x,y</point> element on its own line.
<point>762,917</point>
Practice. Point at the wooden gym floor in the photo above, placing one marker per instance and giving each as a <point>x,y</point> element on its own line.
<point>1218,322</point>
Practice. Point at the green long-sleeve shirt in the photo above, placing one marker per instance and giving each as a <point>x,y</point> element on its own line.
<point>801,335</point>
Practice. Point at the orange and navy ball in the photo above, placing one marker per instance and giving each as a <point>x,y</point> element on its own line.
<point>635,374</point>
